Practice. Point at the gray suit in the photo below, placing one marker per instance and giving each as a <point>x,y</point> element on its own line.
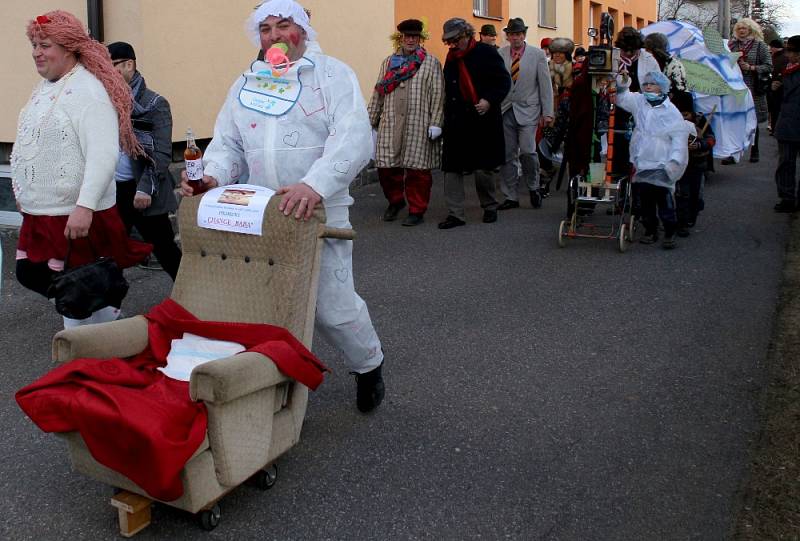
<point>531,97</point>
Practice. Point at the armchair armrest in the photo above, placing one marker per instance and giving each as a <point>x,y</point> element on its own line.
<point>227,379</point>
<point>121,338</point>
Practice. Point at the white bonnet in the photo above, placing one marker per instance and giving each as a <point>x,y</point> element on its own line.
<point>288,9</point>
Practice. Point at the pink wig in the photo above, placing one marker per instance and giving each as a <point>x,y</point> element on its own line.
<point>66,30</point>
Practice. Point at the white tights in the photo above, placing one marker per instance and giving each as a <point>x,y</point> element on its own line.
<point>104,315</point>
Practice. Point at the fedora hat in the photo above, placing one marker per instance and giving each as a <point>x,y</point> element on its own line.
<point>488,30</point>
<point>515,24</point>
<point>453,28</point>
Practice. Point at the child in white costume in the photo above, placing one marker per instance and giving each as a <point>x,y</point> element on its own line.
<point>306,128</point>
<point>658,151</point>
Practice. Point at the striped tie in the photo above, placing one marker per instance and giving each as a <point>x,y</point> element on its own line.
<point>515,70</point>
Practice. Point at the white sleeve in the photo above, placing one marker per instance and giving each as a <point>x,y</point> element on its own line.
<point>349,145</point>
<point>224,158</point>
<point>630,101</point>
<point>99,136</point>
<point>678,154</point>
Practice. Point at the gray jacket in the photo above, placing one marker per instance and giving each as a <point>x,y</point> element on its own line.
<point>152,125</point>
<point>531,97</point>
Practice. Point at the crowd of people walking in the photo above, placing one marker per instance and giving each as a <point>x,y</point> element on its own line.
<point>90,162</point>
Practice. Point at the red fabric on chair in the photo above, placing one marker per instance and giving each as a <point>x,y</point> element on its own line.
<point>133,418</point>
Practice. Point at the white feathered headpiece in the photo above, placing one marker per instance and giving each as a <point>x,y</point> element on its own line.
<point>288,9</point>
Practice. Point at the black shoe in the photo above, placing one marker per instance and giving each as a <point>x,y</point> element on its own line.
<point>370,389</point>
<point>150,263</point>
<point>753,157</point>
<point>412,220</point>
<point>669,242</point>
<point>728,161</point>
<point>489,216</point>
<point>545,190</point>
<point>450,222</point>
<point>536,199</point>
<point>649,238</point>
<point>784,206</point>
<point>391,211</point>
<point>508,204</point>
<point>682,232</point>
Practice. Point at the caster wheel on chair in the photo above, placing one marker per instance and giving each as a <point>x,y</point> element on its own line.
<point>266,479</point>
<point>209,519</point>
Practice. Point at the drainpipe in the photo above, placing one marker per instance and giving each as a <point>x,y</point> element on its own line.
<point>94,10</point>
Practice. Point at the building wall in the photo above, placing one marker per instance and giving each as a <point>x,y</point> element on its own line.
<point>639,13</point>
<point>18,70</point>
<point>529,11</point>
<point>191,52</point>
<point>434,13</point>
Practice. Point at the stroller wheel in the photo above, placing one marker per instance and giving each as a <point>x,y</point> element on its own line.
<point>209,519</point>
<point>623,238</point>
<point>562,235</point>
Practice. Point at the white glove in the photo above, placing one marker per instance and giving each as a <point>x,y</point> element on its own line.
<point>434,132</point>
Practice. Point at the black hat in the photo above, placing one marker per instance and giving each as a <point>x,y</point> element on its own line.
<point>580,51</point>
<point>793,44</point>
<point>453,28</point>
<point>410,27</point>
<point>515,24</point>
<point>120,50</point>
<point>488,30</point>
<point>777,43</point>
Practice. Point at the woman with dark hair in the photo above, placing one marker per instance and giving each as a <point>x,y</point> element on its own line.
<point>754,61</point>
<point>657,45</point>
<point>630,43</point>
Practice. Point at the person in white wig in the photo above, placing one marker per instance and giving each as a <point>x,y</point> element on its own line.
<point>305,134</point>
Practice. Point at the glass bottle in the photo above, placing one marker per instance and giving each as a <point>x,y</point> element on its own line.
<point>193,157</point>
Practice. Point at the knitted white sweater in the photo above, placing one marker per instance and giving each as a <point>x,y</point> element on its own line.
<point>67,147</point>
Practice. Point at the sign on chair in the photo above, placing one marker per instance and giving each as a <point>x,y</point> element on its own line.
<point>238,208</point>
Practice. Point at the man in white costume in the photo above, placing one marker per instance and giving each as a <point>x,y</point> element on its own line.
<point>306,134</point>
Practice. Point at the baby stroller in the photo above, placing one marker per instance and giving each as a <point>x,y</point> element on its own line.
<point>583,198</point>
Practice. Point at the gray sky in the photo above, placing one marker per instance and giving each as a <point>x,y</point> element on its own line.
<point>791,26</point>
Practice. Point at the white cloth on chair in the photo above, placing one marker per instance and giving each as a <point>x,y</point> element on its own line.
<point>192,350</point>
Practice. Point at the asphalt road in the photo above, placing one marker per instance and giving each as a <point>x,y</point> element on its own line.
<point>534,392</point>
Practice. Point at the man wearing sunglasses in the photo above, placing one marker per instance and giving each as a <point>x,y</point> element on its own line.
<point>476,82</point>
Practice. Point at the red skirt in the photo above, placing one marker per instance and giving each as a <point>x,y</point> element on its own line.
<point>42,239</point>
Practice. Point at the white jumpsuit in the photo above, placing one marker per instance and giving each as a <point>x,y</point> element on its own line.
<point>309,125</point>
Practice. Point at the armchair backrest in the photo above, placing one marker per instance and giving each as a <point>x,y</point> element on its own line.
<point>236,277</point>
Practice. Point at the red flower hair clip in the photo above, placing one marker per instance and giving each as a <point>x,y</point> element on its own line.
<point>42,19</point>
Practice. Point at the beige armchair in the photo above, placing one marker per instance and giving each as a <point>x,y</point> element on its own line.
<point>255,413</point>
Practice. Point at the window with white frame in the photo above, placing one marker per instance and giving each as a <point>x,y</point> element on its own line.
<point>487,8</point>
<point>547,13</point>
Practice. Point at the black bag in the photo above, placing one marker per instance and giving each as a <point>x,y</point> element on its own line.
<point>762,80</point>
<point>80,291</point>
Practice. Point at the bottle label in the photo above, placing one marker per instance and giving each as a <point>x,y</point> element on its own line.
<point>194,169</point>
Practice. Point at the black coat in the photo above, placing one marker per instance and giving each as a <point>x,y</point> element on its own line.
<point>472,141</point>
<point>788,126</point>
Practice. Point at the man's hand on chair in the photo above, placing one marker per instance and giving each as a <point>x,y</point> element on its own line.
<point>300,195</point>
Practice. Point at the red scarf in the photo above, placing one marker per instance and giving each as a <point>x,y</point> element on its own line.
<point>790,68</point>
<point>464,78</point>
<point>403,72</point>
<point>133,418</point>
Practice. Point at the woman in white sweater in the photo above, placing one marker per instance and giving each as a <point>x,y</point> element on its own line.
<point>63,162</point>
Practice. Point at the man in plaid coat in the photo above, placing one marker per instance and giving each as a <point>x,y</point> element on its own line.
<point>406,110</point>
